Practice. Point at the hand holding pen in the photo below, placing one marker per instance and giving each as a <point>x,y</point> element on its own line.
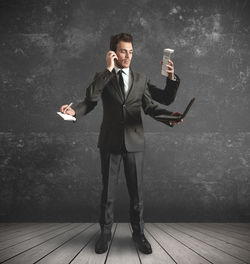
<point>66,109</point>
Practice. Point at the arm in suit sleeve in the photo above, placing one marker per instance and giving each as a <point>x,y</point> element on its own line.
<point>152,108</point>
<point>93,94</point>
<point>166,96</point>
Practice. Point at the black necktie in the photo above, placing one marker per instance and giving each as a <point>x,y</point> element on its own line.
<point>121,82</point>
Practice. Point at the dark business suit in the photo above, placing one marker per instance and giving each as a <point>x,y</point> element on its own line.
<point>121,137</point>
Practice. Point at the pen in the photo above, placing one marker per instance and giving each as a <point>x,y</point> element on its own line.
<point>68,107</point>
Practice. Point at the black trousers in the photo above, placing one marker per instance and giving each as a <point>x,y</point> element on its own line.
<point>110,166</point>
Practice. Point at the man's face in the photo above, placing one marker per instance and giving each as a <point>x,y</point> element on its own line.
<point>124,52</point>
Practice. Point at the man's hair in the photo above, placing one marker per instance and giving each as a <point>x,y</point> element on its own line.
<point>114,40</point>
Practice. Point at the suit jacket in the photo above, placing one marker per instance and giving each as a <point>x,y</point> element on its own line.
<point>122,123</point>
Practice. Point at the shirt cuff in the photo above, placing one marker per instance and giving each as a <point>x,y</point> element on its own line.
<point>175,79</point>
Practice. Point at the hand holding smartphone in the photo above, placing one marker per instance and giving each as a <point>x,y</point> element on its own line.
<point>166,57</point>
<point>110,59</point>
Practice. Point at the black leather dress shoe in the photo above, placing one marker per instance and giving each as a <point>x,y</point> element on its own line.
<point>142,243</point>
<point>101,245</point>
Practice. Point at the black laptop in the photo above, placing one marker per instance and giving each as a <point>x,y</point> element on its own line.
<point>172,118</point>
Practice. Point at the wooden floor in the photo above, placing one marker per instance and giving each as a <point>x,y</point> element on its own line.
<point>24,243</point>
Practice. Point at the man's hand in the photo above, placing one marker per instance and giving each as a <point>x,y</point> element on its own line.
<point>66,109</point>
<point>176,114</point>
<point>110,57</point>
<point>170,69</point>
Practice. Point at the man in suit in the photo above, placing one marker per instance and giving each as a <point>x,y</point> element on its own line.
<point>123,92</point>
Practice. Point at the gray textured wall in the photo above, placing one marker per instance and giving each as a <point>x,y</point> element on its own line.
<point>50,50</point>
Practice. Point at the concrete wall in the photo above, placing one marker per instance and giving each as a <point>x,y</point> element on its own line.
<point>50,50</point>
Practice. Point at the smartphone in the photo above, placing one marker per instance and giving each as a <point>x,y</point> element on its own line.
<point>166,57</point>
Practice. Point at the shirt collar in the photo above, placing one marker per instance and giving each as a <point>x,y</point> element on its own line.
<point>125,70</point>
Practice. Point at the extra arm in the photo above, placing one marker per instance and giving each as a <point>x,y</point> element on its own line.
<point>152,108</point>
<point>166,96</point>
<point>93,94</point>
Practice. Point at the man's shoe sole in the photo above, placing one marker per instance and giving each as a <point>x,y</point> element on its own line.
<point>100,251</point>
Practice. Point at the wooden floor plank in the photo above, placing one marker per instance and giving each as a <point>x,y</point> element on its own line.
<point>21,238</point>
<point>247,225</point>
<point>20,248</point>
<point>64,243</point>
<point>12,224</point>
<point>21,232</point>
<point>228,248</point>
<point>243,228</point>
<point>38,252</point>
<point>20,224</point>
<point>6,225</point>
<point>230,228</point>
<point>159,255</point>
<point>67,252</point>
<point>123,250</point>
<point>88,255</point>
<point>209,252</point>
<point>6,231</point>
<point>215,234</point>
<point>179,252</point>
<point>226,232</point>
